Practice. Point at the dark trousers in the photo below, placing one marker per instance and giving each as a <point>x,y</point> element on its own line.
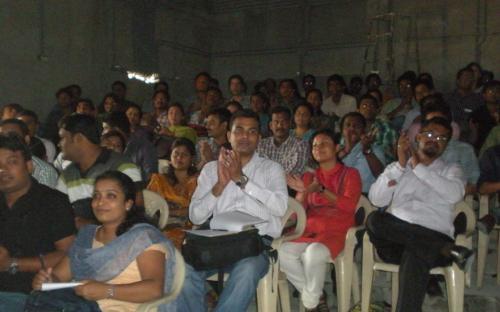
<point>415,248</point>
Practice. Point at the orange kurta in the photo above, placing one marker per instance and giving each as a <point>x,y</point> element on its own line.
<point>179,194</point>
<point>328,222</point>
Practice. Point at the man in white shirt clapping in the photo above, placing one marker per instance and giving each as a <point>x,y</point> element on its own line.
<point>417,230</point>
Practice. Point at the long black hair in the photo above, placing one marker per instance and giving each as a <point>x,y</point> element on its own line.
<point>170,174</point>
<point>136,214</point>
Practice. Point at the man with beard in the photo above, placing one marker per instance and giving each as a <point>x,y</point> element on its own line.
<point>417,231</point>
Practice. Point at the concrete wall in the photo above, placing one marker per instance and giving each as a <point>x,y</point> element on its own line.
<point>80,41</point>
<point>289,38</point>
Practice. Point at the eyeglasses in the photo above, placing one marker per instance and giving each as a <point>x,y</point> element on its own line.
<point>431,135</point>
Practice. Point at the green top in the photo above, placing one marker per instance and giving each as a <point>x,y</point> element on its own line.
<point>184,132</point>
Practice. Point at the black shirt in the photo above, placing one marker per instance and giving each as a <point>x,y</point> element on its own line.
<point>489,166</point>
<point>35,222</point>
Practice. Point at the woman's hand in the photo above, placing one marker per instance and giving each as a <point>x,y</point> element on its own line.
<point>295,183</point>
<point>92,290</point>
<point>43,276</point>
<point>314,187</point>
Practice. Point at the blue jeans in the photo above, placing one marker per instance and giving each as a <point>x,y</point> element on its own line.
<point>238,291</point>
<point>13,302</point>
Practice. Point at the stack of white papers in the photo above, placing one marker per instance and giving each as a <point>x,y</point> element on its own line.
<point>54,286</point>
<point>234,221</point>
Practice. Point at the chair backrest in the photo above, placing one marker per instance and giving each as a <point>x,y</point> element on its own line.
<point>175,290</point>
<point>367,208</point>
<point>163,165</point>
<point>463,207</point>
<point>294,208</point>
<point>154,203</point>
<point>180,274</point>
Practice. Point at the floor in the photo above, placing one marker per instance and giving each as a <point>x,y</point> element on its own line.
<point>486,299</point>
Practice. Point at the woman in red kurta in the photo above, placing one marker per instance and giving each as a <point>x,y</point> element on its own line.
<point>329,195</point>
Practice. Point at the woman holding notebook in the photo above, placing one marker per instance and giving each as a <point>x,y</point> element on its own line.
<point>329,195</point>
<point>121,263</point>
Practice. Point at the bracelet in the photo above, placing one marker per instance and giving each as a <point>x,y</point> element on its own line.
<point>110,292</point>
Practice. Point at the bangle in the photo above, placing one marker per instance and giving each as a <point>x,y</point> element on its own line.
<point>110,292</point>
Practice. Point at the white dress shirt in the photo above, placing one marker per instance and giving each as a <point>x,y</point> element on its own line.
<point>425,195</point>
<point>346,105</point>
<point>264,196</point>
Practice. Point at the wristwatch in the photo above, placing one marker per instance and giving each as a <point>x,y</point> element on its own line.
<point>13,267</point>
<point>242,182</point>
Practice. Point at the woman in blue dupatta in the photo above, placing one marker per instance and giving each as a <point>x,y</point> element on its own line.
<point>121,263</point>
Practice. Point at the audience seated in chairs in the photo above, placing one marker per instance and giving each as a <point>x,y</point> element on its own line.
<point>417,231</point>
<point>329,195</point>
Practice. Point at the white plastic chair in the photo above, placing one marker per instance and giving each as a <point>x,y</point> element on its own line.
<point>153,203</point>
<point>485,202</point>
<point>163,165</point>
<point>178,282</point>
<point>347,277</point>
<point>455,278</point>
<point>267,289</point>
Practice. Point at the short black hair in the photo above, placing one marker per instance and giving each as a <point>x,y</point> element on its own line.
<point>492,84</point>
<point>216,90</point>
<point>461,71</point>
<point>445,123</point>
<point>434,102</point>
<point>88,101</point>
<point>17,107</point>
<point>115,133</point>
<point>203,73</point>
<point>63,90</point>
<point>133,105</point>
<point>222,114</point>
<point>409,75</point>
<point>262,96</point>
<point>30,113</point>
<point>367,96</point>
<point>281,110</point>
<point>165,93</point>
<point>292,83</point>
<point>245,113</point>
<point>179,106</point>
<point>234,103</point>
<point>435,105</point>
<point>335,137</point>
<point>303,104</point>
<point>428,84</point>
<point>118,120</point>
<point>337,78</point>
<point>428,77</point>
<point>240,78</point>
<point>119,83</point>
<point>161,82</point>
<point>309,76</point>
<point>373,76</point>
<point>355,115</point>
<point>83,124</point>
<point>318,91</point>
<point>14,143</point>
<point>17,122</point>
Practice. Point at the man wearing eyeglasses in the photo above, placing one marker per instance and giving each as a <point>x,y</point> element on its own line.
<point>417,230</point>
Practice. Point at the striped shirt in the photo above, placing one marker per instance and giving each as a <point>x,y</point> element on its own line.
<point>44,173</point>
<point>79,186</point>
<point>292,154</point>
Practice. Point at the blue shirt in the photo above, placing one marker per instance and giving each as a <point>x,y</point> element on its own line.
<point>356,159</point>
<point>463,154</point>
